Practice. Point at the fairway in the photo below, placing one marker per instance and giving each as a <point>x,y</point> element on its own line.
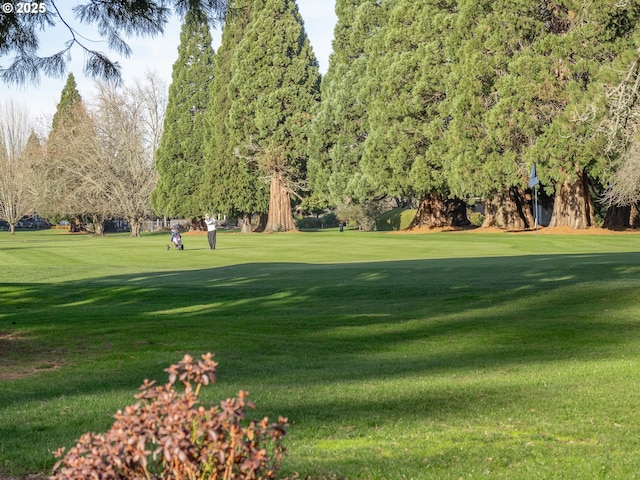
<point>394,356</point>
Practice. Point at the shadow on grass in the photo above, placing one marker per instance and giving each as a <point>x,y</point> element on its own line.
<point>292,318</point>
<point>290,327</point>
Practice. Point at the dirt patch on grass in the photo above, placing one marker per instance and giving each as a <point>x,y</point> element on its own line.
<point>21,356</point>
<point>540,230</point>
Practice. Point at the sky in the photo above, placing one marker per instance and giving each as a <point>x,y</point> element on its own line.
<point>156,54</point>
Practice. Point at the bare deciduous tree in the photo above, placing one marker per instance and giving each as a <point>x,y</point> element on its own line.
<point>624,187</point>
<point>128,123</point>
<point>620,126</point>
<point>621,129</point>
<point>104,168</point>
<point>73,184</point>
<point>19,155</point>
<point>153,92</point>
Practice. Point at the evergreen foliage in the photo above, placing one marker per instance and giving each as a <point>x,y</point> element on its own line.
<point>180,155</point>
<point>488,133</point>
<point>526,88</point>
<point>431,100</point>
<point>230,185</point>
<point>33,149</point>
<point>465,96</point>
<point>405,79</point>
<point>341,124</point>
<point>68,144</point>
<point>275,87</point>
<point>580,40</point>
<point>70,101</point>
<point>115,19</point>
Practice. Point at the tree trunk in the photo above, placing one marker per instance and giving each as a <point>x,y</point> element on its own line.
<point>135,226</point>
<point>634,217</point>
<point>262,223</point>
<point>12,228</point>
<point>197,224</point>
<point>77,225</point>
<point>620,218</point>
<point>98,229</point>
<point>436,211</point>
<point>572,206</point>
<point>246,223</point>
<point>508,210</point>
<point>280,214</point>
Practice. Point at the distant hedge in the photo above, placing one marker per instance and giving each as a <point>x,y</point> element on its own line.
<point>328,220</point>
<point>396,219</point>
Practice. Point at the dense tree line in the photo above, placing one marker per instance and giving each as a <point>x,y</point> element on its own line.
<point>432,102</point>
<point>438,102</point>
<point>457,99</point>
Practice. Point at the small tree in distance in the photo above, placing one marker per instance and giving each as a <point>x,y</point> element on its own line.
<point>100,159</point>
<point>70,153</point>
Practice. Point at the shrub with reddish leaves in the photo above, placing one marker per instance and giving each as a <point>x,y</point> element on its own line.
<point>167,435</point>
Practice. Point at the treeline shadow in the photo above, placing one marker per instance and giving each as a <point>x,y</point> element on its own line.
<point>295,326</point>
<point>304,315</point>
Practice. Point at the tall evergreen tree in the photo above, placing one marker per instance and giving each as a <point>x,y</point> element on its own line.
<point>71,125</point>
<point>581,38</point>
<point>180,155</point>
<point>340,127</point>
<point>406,72</point>
<point>70,101</point>
<point>230,185</point>
<point>276,90</point>
<point>525,88</point>
<point>487,135</point>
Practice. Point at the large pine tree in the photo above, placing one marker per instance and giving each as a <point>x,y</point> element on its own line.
<point>581,38</point>
<point>275,87</point>
<point>231,186</point>
<point>525,88</point>
<point>340,127</point>
<point>487,134</point>
<point>407,68</point>
<point>180,155</point>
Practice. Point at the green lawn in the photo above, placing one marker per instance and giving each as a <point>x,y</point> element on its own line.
<point>426,356</point>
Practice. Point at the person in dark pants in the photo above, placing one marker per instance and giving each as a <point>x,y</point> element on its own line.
<point>211,230</point>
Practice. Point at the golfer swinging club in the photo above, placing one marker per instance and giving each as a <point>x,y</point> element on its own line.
<point>211,230</point>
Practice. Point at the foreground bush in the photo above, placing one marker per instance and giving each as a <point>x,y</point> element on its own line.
<point>166,435</point>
